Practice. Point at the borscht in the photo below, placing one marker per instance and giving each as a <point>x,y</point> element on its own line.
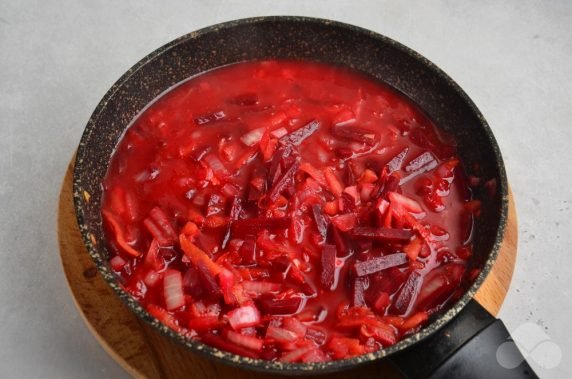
<point>289,210</point>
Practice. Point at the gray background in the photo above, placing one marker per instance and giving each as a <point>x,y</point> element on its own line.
<point>58,58</point>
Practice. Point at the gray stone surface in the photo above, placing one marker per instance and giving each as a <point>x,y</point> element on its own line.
<point>58,58</point>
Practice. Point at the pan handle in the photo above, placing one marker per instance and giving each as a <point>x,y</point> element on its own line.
<point>466,347</point>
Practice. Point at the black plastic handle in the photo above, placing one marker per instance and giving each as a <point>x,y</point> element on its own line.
<point>464,348</point>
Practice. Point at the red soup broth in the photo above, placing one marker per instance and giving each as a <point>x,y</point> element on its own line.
<point>288,210</point>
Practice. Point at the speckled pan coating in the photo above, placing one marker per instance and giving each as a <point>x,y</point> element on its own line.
<point>293,38</point>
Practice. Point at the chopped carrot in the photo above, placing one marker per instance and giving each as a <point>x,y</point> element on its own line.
<point>197,256</point>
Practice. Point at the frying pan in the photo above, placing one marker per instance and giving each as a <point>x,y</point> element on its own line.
<point>458,342</point>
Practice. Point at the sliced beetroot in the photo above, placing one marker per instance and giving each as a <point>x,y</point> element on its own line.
<point>254,225</point>
<point>419,165</point>
<point>344,246</point>
<point>285,182</point>
<point>420,161</point>
<point>235,209</point>
<point>208,281</point>
<point>354,133</point>
<point>275,168</point>
<point>363,268</point>
<point>321,221</point>
<point>395,163</point>
<point>386,183</point>
<point>328,260</point>
<point>382,234</point>
<point>408,293</point>
<point>192,282</point>
<point>358,291</point>
<point>301,134</point>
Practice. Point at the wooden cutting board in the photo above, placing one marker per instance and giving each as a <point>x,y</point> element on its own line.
<point>144,353</point>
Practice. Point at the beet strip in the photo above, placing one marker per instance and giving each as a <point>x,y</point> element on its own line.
<point>299,135</point>
<point>343,244</point>
<point>377,264</point>
<point>358,292</point>
<point>286,181</point>
<point>354,133</point>
<point>209,282</point>
<point>382,234</point>
<point>235,209</point>
<point>328,261</point>
<point>421,161</point>
<point>397,161</point>
<point>274,169</point>
<point>408,293</point>
<point>321,221</point>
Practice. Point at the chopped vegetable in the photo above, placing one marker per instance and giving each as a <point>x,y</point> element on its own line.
<point>243,317</point>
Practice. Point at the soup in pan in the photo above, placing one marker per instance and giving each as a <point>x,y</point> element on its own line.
<point>288,210</point>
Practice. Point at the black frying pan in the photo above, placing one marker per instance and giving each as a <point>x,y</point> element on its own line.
<point>459,342</point>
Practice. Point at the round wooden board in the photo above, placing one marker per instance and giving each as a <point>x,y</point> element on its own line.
<point>144,353</point>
